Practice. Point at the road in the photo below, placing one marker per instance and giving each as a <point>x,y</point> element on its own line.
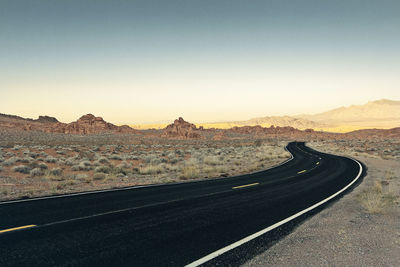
<point>175,224</point>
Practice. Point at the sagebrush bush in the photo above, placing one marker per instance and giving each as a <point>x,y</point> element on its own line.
<point>103,169</point>
<point>70,161</point>
<point>43,166</point>
<point>81,176</point>
<point>188,172</point>
<point>151,169</point>
<point>124,165</point>
<point>120,175</point>
<point>21,169</point>
<point>25,160</point>
<point>211,160</point>
<point>10,154</point>
<point>103,160</point>
<point>115,157</point>
<point>99,176</point>
<point>36,172</point>
<point>56,171</point>
<point>50,159</point>
<point>10,161</point>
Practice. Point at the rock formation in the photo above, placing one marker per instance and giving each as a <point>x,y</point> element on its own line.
<point>87,124</point>
<point>181,129</point>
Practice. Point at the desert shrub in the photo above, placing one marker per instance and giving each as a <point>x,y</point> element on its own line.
<point>1,169</point>
<point>81,176</point>
<point>258,143</point>
<point>10,154</point>
<point>210,170</point>
<point>60,152</point>
<point>103,160</point>
<point>132,157</point>
<point>85,163</point>
<point>149,158</point>
<point>75,168</point>
<point>21,169</point>
<point>188,172</point>
<point>103,169</point>
<point>56,171</point>
<point>1,159</point>
<point>36,172</point>
<point>43,154</point>
<point>211,160</point>
<point>120,175</point>
<point>17,147</point>
<point>86,154</point>
<point>50,159</point>
<point>25,160</point>
<point>70,161</point>
<point>10,161</point>
<point>33,155</point>
<point>170,167</point>
<point>173,160</point>
<point>375,200</point>
<point>155,161</point>
<point>115,157</point>
<point>99,176</point>
<point>124,165</point>
<point>82,166</point>
<point>152,169</point>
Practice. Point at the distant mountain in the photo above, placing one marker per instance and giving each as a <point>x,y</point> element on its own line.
<point>284,121</point>
<point>281,121</point>
<point>383,114</point>
<point>373,111</point>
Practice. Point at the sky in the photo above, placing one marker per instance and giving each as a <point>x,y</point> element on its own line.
<point>148,61</point>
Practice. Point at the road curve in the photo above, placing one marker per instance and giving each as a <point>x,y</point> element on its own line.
<point>175,224</point>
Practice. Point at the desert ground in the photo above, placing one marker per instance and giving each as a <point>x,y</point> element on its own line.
<point>38,164</point>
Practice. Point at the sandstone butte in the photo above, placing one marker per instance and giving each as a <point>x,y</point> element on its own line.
<point>182,129</point>
<point>89,124</point>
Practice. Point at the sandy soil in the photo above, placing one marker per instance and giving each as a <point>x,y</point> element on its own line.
<point>346,233</point>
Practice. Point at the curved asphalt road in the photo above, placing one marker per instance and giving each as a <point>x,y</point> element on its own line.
<point>172,225</point>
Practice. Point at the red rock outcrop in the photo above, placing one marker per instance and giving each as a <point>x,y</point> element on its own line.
<point>181,129</point>
<point>89,124</point>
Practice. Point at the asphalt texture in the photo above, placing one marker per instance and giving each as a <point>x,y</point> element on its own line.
<point>168,225</point>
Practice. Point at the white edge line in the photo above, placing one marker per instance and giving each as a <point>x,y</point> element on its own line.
<point>257,234</point>
<point>136,186</point>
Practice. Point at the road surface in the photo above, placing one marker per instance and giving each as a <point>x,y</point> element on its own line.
<point>172,225</point>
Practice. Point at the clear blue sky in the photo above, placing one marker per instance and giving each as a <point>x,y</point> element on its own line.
<point>150,61</point>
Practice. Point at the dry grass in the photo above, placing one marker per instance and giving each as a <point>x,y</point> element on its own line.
<point>56,164</point>
<point>189,172</point>
<point>379,198</point>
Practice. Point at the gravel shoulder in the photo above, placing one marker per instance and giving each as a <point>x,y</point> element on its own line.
<point>346,233</point>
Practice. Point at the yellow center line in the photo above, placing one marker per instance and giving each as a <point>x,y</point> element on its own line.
<point>247,185</point>
<point>301,171</point>
<point>17,228</point>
